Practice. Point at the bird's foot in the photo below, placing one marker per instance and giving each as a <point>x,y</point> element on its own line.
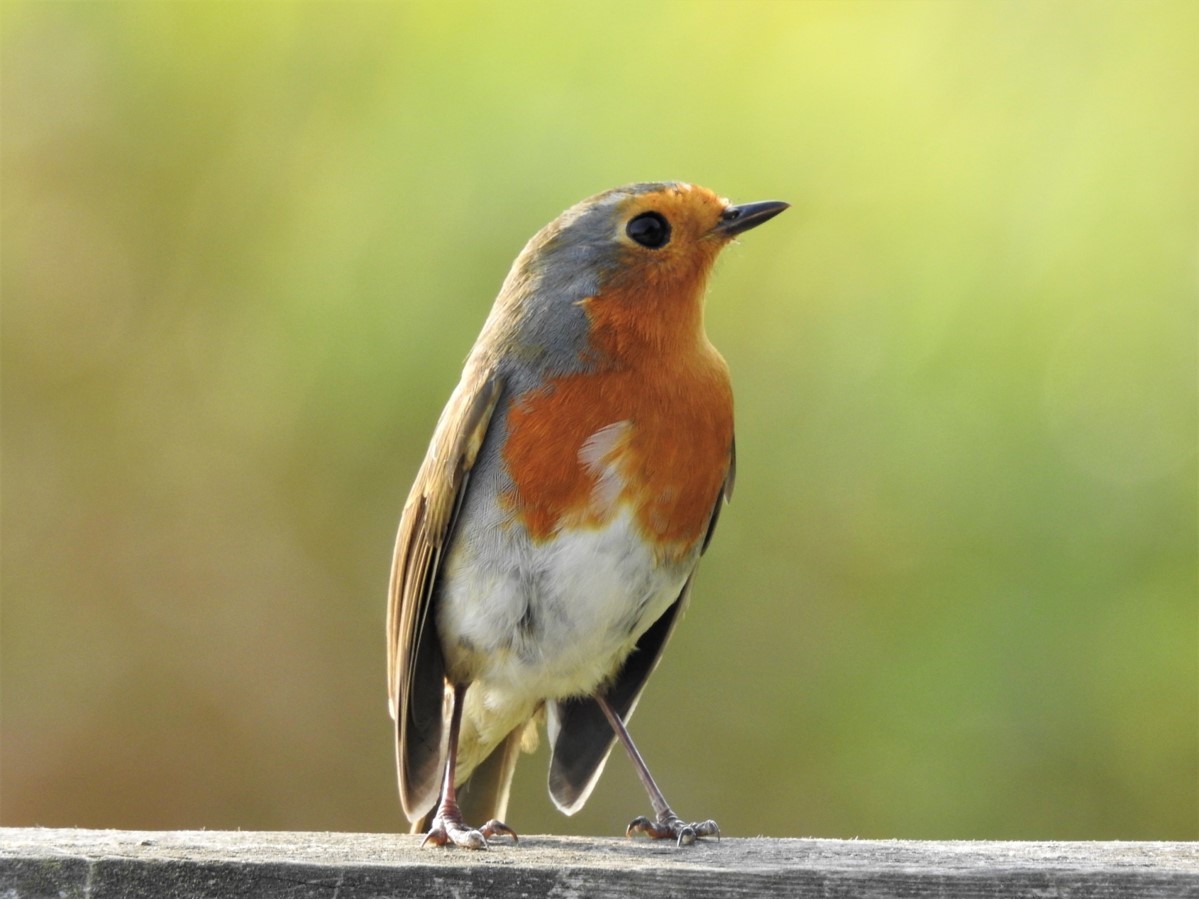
<point>669,825</point>
<point>448,828</point>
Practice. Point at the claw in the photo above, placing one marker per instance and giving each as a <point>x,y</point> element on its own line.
<point>640,825</point>
<point>495,827</point>
<point>447,831</point>
<point>671,826</point>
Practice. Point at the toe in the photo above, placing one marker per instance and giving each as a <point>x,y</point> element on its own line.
<point>445,833</point>
<point>707,828</point>
<point>468,838</point>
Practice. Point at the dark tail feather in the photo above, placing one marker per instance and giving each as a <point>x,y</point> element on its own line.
<point>584,741</point>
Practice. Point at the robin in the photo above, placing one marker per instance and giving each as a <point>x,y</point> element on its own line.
<point>547,548</point>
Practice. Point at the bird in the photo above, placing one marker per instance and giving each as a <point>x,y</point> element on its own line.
<point>548,545</point>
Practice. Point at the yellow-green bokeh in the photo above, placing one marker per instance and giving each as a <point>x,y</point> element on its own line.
<point>245,247</point>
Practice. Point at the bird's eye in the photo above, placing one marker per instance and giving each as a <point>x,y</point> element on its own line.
<point>649,230</point>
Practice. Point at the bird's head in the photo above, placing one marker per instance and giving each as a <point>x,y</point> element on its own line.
<point>624,271</point>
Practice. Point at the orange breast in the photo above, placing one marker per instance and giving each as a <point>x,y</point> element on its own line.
<point>670,460</point>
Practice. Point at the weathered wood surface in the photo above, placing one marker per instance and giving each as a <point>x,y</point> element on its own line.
<point>45,862</point>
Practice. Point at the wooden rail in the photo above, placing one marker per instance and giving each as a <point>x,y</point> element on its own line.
<point>47,862</point>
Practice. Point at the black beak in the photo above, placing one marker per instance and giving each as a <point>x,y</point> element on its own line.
<point>737,219</point>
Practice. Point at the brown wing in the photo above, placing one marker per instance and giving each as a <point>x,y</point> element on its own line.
<point>415,668</point>
<point>584,736</point>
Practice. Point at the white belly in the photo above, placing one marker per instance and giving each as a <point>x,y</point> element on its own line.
<point>530,621</point>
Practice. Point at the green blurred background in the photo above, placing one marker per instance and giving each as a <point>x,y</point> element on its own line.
<point>247,246</point>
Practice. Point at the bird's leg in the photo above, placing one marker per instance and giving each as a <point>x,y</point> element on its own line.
<point>666,823</point>
<point>448,827</point>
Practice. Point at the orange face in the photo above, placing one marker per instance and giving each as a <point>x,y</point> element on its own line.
<point>653,303</point>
